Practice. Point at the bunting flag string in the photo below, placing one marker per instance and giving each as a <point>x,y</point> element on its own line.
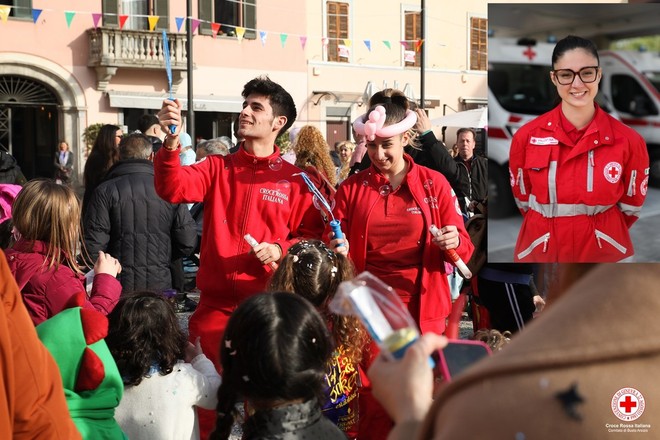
<point>414,45</point>
<point>194,25</point>
<point>96,17</point>
<point>240,32</point>
<point>179,23</point>
<point>122,21</point>
<point>4,12</point>
<point>35,14</point>
<point>69,17</point>
<point>153,20</point>
<point>215,28</point>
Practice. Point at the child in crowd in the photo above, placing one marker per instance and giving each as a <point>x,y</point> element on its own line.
<point>161,391</point>
<point>46,218</point>
<point>310,269</point>
<point>495,339</point>
<point>274,354</point>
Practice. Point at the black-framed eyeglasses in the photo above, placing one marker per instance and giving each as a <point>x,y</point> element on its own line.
<point>587,75</point>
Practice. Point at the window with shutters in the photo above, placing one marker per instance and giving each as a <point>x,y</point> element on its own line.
<point>478,43</point>
<point>229,14</point>
<point>19,8</point>
<point>137,12</point>
<point>413,23</point>
<point>337,17</point>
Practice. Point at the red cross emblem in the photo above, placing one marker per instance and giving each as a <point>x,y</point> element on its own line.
<point>628,404</point>
<point>529,53</point>
<point>612,172</point>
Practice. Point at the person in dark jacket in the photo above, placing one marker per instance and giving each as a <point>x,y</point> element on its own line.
<point>127,218</point>
<point>10,172</point>
<point>467,173</point>
<point>150,127</point>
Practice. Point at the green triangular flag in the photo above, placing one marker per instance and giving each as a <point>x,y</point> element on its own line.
<point>69,17</point>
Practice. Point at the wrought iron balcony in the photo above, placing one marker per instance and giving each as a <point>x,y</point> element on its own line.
<point>112,48</point>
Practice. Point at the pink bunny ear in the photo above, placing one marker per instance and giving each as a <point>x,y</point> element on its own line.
<point>375,124</point>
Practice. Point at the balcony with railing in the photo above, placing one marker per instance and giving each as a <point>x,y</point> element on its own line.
<point>111,49</point>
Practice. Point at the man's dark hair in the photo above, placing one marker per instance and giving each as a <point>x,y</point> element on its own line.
<point>146,121</point>
<point>467,130</point>
<point>280,99</point>
<point>135,146</point>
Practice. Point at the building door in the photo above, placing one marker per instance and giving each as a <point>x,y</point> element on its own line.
<point>336,131</point>
<point>28,124</point>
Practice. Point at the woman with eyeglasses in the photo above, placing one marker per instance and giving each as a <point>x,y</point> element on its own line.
<point>579,176</point>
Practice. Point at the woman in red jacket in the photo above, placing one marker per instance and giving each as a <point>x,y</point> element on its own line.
<point>385,212</point>
<point>578,175</point>
<point>43,260</point>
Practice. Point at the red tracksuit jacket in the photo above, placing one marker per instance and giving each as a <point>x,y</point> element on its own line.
<point>242,194</point>
<point>578,201</point>
<point>355,200</point>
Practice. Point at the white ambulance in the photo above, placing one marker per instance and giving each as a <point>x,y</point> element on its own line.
<point>631,82</point>
<point>519,89</point>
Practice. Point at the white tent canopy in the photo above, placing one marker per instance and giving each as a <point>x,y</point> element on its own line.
<point>475,118</point>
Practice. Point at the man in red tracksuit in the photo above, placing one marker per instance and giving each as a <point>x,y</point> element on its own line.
<point>249,192</point>
<point>578,195</point>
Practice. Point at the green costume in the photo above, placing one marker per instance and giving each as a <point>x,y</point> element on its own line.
<point>92,384</point>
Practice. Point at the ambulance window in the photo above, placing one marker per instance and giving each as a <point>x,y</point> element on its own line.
<point>522,88</point>
<point>628,96</point>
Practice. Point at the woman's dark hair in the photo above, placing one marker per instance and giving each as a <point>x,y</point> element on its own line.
<point>395,102</point>
<point>310,269</point>
<point>573,42</point>
<point>103,155</point>
<point>396,105</point>
<point>274,350</point>
<point>144,332</point>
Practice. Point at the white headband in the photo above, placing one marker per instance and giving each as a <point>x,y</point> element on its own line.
<point>374,126</point>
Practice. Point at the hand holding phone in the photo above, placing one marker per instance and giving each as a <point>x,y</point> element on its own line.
<point>458,355</point>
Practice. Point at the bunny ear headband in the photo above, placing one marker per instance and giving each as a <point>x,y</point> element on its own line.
<point>374,125</point>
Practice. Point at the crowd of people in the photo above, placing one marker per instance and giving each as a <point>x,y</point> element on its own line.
<point>150,199</point>
<point>263,349</point>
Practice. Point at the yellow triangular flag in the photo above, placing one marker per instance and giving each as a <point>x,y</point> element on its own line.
<point>347,42</point>
<point>240,31</point>
<point>4,12</point>
<point>153,20</point>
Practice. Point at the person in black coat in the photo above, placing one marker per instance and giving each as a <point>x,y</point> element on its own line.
<point>467,173</point>
<point>129,220</point>
<point>10,172</point>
